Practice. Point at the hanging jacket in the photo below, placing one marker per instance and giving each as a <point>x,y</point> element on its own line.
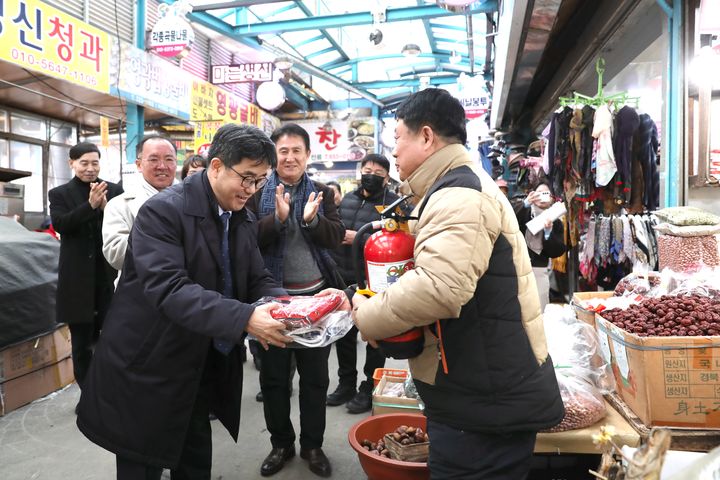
<point>472,275</point>
<point>626,124</point>
<point>649,143</point>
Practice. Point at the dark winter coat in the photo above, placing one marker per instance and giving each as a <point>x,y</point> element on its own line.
<point>152,353</point>
<point>553,247</point>
<point>85,279</point>
<point>355,211</point>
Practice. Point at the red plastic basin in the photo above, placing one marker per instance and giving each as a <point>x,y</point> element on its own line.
<point>381,468</point>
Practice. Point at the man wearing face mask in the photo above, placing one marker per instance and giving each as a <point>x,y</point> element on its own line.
<point>356,209</point>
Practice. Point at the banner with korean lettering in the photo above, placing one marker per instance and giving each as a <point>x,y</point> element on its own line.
<point>149,80</point>
<point>38,37</point>
<point>212,106</point>
<point>338,141</point>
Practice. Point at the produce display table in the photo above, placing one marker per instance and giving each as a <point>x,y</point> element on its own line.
<point>684,439</point>
<point>580,441</point>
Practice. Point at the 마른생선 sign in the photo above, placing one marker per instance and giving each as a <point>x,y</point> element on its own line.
<point>242,73</point>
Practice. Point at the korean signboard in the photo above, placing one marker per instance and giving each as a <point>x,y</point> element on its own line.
<point>212,106</point>
<point>340,141</point>
<point>172,35</point>
<point>149,80</point>
<point>242,73</point>
<point>41,38</point>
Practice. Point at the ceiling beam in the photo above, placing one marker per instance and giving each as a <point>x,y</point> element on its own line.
<point>354,19</point>
<point>328,37</point>
<point>410,82</point>
<point>231,4</point>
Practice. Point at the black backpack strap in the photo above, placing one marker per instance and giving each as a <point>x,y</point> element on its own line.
<point>458,177</point>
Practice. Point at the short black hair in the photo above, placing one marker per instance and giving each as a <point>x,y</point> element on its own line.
<point>437,109</point>
<point>234,143</point>
<point>333,183</point>
<point>193,161</point>
<point>147,138</point>
<point>82,148</point>
<point>291,130</point>
<point>376,158</point>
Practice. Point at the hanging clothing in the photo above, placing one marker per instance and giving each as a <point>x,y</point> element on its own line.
<point>626,124</point>
<point>647,137</point>
<point>602,131</point>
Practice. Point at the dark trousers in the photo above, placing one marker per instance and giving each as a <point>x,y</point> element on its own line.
<point>312,367</point>
<point>347,361</point>
<point>196,458</point>
<point>457,454</point>
<point>82,337</point>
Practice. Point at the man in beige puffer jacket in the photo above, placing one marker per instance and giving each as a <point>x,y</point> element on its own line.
<point>484,374</point>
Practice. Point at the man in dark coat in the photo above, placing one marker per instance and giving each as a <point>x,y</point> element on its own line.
<point>358,208</point>
<point>85,279</point>
<point>298,225</point>
<point>166,357</point>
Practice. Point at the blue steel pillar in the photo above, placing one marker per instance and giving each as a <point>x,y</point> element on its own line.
<point>135,114</point>
<point>672,128</point>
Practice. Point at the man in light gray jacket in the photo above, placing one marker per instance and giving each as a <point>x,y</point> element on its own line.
<point>156,162</point>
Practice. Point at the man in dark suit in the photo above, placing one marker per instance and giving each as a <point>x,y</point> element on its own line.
<point>85,279</point>
<point>298,225</point>
<point>166,358</point>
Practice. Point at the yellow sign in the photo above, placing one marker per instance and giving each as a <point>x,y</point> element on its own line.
<point>104,132</point>
<point>38,37</point>
<point>212,106</point>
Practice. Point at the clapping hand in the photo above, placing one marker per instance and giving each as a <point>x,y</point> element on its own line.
<point>312,206</point>
<point>98,195</point>
<point>282,203</point>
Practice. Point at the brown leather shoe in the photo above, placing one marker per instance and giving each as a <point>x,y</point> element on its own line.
<point>275,461</point>
<point>317,461</point>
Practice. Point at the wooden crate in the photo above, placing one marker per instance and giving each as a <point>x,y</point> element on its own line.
<point>415,452</point>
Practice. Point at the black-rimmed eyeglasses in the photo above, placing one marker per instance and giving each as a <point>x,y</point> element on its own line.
<point>250,180</point>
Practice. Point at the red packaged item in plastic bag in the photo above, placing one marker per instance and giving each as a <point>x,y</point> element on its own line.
<point>301,311</point>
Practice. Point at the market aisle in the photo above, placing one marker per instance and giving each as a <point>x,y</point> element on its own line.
<point>41,442</point>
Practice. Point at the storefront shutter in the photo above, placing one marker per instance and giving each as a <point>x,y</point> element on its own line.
<point>113,16</point>
<point>220,55</point>
<point>198,60</point>
<point>73,7</point>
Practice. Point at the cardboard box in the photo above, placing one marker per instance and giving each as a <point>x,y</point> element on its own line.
<point>32,354</point>
<point>587,316</point>
<point>386,404</point>
<point>666,381</point>
<point>24,389</point>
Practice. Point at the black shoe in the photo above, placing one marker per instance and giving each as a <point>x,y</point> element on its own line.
<point>275,461</point>
<point>361,403</point>
<point>317,461</point>
<point>259,397</point>
<point>341,395</point>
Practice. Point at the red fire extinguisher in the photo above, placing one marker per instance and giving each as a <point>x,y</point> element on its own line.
<point>388,254</point>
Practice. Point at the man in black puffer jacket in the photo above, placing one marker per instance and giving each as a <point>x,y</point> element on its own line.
<point>356,209</point>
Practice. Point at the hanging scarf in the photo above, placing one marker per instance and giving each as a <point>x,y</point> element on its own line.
<point>628,244</point>
<point>602,131</point>
<point>604,245</point>
<point>273,254</point>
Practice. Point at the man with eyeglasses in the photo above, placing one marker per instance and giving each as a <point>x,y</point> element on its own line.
<point>156,163</point>
<point>167,356</point>
<point>298,226</point>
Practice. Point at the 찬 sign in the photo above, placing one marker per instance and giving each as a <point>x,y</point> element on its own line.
<point>172,35</point>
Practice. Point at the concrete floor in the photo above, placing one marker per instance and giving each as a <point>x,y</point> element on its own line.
<point>40,441</point>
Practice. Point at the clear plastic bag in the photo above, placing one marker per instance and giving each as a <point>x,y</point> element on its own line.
<point>638,283</point>
<point>575,348</point>
<point>584,405</point>
<point>311,322</point>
